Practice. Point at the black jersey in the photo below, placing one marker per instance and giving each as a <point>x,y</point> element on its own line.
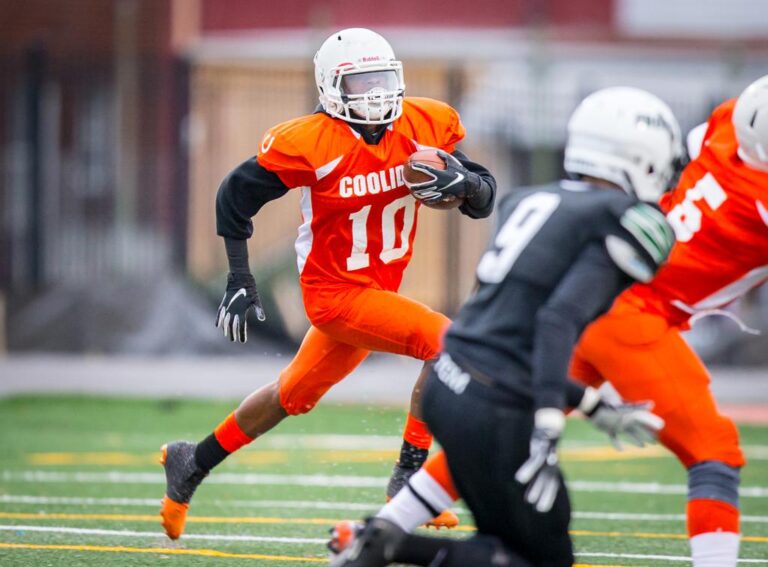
<point>559,256</point>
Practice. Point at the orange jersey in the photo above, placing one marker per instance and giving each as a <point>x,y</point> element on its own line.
<point>719,211</point>
<point>359,218</point>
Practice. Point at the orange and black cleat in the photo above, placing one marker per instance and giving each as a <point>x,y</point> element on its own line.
<point>182,477</point>
<point>343,534</point>
<point>445,519</point>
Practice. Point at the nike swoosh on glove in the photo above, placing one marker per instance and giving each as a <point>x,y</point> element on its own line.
<point>453,181</point>
<point>239,299</point>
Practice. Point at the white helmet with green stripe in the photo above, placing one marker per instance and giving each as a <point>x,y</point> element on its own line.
<point>628,137</point>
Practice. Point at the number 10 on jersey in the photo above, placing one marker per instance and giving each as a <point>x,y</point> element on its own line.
<point>359,257</point>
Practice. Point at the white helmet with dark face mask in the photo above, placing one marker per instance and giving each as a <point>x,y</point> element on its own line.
<point>628,137</point>
<point>358,77</point>
<point>750,120</point>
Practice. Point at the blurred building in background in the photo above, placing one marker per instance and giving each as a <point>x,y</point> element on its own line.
<point>119,118</point>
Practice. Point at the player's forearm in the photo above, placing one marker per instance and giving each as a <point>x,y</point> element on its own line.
<point>481,188</point>
<point>586,290</point>
<point>554,339</point>
<point>574,394</point>
<point>237,255</point>
<point>241,195</point>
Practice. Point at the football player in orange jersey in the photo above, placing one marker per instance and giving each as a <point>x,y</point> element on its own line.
<point>718,210</point>
<point>346,159</point>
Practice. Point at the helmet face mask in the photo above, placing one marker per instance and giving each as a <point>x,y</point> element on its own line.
<point>358,78</point>
<point>627,137</point>
<point>750,121</point>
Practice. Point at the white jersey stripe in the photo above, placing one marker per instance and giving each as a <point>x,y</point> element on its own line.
<point>304,241</point>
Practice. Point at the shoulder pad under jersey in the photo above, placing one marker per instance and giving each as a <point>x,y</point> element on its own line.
<point>646,244</point>
<point>291,149</point>
<point>431,123</point>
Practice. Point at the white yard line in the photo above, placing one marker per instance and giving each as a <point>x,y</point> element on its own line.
<point>385,442</point>
<point>322,505</point>
<point>128,533</point>
<point>117,477</point>
<point>331,441</point>
<point>756,452</point>
<point>676,558</point>
<point>329,481</point>
<point>652,488</point>
<point>297,541</point>
<point>621,516</point>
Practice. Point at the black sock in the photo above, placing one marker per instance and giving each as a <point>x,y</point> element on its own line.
<point>411,456</point>
<point>209,453</point>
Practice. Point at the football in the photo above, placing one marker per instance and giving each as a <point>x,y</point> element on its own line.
<point>427,157</point>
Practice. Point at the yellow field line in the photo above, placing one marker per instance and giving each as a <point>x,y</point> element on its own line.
<point>309,521</point>
<point>161,551</point>
<point>273,456</point>
<point>639,535</point>
<point>174,551</point>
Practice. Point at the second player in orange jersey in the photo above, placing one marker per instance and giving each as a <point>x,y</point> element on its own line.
<point>359,222</point>
<point>718,211</point>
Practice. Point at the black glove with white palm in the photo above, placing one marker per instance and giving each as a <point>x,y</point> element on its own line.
<point>240,298</point>
<point>632,422</point>
<point>541,472</point>
<point>453,182</point>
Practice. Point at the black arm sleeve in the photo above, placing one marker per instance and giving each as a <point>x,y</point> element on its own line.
<point>587,290</point>
<point>242,193</point>
<point>574,393</point>
<point>479,202</point>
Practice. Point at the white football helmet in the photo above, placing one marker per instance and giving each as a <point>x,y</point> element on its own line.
<point>750,120</point>
<point>626,136</point>
<point>358,77</point>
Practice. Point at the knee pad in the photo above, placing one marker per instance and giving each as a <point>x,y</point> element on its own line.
<point>714,480</point>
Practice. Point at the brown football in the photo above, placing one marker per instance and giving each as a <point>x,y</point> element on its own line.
<point>427,157</point>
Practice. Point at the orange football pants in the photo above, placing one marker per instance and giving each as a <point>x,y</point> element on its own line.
<point>347,324</point>
<point>646,358</point>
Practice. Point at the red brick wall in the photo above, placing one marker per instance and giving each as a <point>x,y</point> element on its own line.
<point>225,15</point>
<point>79,28</point>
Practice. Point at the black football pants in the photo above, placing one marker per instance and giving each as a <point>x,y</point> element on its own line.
<point>485,442</point>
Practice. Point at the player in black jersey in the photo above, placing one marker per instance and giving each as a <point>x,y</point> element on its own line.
<point>559,257</point>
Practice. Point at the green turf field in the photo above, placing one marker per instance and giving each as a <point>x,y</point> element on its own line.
<point>79,485</point>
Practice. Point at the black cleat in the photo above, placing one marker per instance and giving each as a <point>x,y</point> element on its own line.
<point>182,477</point>
<point>374,546</point>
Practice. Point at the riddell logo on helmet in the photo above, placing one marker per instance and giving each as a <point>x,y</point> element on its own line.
<point>370,58</point>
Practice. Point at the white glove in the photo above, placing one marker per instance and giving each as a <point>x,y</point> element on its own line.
<point>541,471</point>
<point>634,422</point>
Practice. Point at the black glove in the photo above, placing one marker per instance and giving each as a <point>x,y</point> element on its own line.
<point>455,181</point>
<point>541,471</point>
<point>240,298</point>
